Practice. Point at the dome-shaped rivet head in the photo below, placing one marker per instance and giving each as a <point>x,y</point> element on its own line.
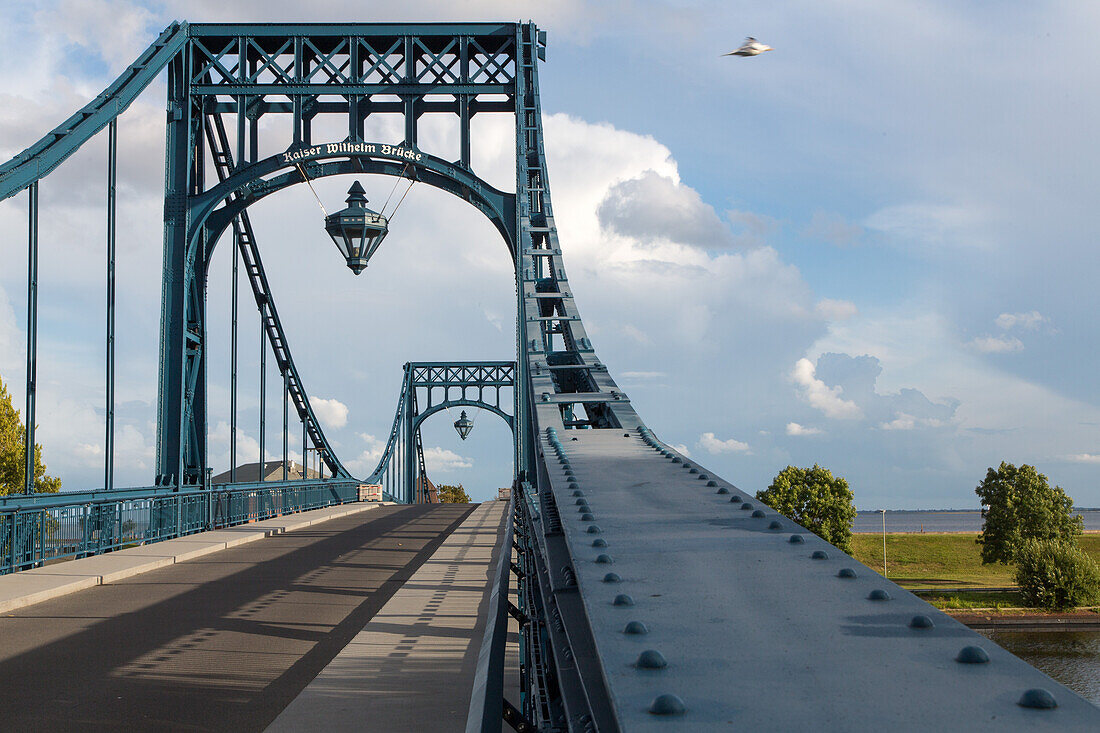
<point>570,476</point>
<point>572,485</point>
<point>746,506</point>
<point>722,490</point>
<point>703,477</point>
<point>758,514</point>
<point>846,573</point>
<point>578,492</point>
<point>604,559</point>
<point>819,555</point>
<point>574,440</point>
<point>635,627</point>
<point>920,621</point>
<point>693,470</point>
<point>972,655</point>
<point>651,659</point>
<point>1037,697</point>
<point>796,539</point>
<point>584,508</point>
<point>612,578</point>
<point>775,524</point>
<point>588,517</point>
<point>622,600</point>
<point>667,705</point>
<point>878,594</point>
<point>712,483</point>
<point>735,498</point>
<point>578,502</point>
<point>593,529</point>
<point>676,460</point>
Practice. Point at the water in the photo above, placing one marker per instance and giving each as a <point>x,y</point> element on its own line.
<point>946,520</point>
<point>1071,657</point>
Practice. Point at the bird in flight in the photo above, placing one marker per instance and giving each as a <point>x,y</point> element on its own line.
<point>751,47</point>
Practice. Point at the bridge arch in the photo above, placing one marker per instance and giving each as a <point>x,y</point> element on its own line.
<point>479,404</point>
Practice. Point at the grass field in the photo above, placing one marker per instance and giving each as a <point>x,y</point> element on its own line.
<point>941,560</point>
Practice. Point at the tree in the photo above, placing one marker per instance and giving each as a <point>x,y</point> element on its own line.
<point>815,499</point>
<point>1056,575</point>
<point>12,440</point>
<point>1019,504</point>
<point>453,494</point>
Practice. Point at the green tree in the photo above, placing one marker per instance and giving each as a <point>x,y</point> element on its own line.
<point>815,499</point>
<point>1056,575</point>
<point>12,440</point>
<point>1019,504</point>
<point>452,494</point>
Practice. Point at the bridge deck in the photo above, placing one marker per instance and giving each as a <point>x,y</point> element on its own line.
<point>223,642</point>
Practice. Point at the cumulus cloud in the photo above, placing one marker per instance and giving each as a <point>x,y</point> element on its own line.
<point>680,448</point>
<point>715,446</point>
<point>656,208</point>
<point>1084,458</point>
<point>1028,321</point>
<point>443,460</point>
<point>821,396</point>
<point>836,310</point>
<point>997,344</point>
<point>795,429</point>
<point>332,412</point>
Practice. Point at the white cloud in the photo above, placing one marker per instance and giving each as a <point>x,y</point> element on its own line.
<point>333,413</point>
<point>927,224</point>
<point>1027,321</point>
<point>715,446</point>
<point>1084,458</point>
<point>680,448</point>
<point>997,344</point>
<point>367,460</point>
<point>822,397</point>
<point>443,460</point>
<point>836,310</point>
<point>901,422</point>
<point>795,429</point>
<point>657,208</point>
<point>642,375</point>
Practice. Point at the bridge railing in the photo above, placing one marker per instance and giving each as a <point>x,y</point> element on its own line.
<point>37,529</point>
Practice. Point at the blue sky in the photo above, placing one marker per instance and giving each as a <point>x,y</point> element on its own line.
<point>871,248</point>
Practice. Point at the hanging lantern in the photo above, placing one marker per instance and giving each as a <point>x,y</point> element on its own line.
<point>464,425</point>
<point>356,230</point>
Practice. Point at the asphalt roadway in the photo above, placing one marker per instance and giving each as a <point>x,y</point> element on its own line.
<point>220,643</point>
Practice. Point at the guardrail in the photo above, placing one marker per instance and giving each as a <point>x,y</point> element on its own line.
<point>38,528</point>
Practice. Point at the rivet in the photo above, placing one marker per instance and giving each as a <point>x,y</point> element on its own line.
<point>635,627</point>
<point>878,594</point>
<point>846,573</point>
<point>651,659</point>
<point>588,517</point>
<point>758,513</point>
<point>819,555</point>
<point>735,498</point>
<point>920,621</point>
<point>574,440</point>
<point>721,490</point>
<point>599,542</point>
<point>578,492</point>
<point>667,704</point>
<point>972,655</point>
<point>693,470</point>
<point>1037,697</point>
<point>569,475</point>
<point>676,460</point>
<point>604,559</point>
<point>746,506</point>
<point>703,477</point>
<point>687,465</point>
<point>796,539</point>
<point>572,485</point>
<point>578,502</point>
<point>775,524</point>
<point>612,578</point>
<point>626,435</point>
<point>593,529</point>
<point>622,600</point>
<point>584,508</point>
<point>712,483</point>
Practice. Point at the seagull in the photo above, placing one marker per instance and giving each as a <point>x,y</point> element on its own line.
<point>751,47</point>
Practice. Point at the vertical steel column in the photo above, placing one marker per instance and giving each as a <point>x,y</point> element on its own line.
<point>286,416</point>
<point>305,450</point>
<point>233,361</point>
<point>263,391</point>
<point>109,440</point>
<point>32,337</point>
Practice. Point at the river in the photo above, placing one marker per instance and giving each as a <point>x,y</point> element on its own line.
<point>1071,657</point>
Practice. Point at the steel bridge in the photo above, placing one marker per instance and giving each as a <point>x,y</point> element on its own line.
<point>651,594</point>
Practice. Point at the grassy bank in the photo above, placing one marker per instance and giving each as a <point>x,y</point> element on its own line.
<point>941,560</point>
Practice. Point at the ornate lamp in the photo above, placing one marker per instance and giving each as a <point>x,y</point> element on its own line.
<point>356,230</point>
<point>464,425</point>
